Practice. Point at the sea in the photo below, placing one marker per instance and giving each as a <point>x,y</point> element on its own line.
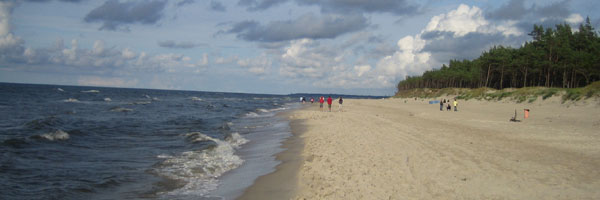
<point>71,142</point>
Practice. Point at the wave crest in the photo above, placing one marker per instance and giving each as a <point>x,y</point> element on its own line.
<point>200,169</point>
<point>54,136</point>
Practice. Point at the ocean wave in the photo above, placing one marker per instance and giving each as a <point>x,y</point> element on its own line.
<point>54,136</point>
<point>200,169</point>
<point>236,140</point>
<point>252,114</point>
<point>107,99</point>
<point>15,142</point>
<point>270,110</point>
<point>60,89</point>
<point>196,99</point>
<point>71,100</point>
<point>119,109</point>
<point>90,91</point>
<point>50,122</point>
<point>140,103</point>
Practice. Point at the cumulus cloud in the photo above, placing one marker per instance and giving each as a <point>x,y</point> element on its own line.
<point>259,65</point>
<point>11,46</point>
<point>102,59</point>
<point>115,15</point>
<point>327,65</point>
<point>306,26</point>
<point>462,33</point>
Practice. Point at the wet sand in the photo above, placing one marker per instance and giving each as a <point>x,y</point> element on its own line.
<point>407,149</point>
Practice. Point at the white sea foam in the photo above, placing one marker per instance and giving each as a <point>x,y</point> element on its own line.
<point>107,99</point>
<point>56,135</point>
<point>71,100</point>
<point>200,169</point>
<point>90,91</point>
<point>60,89</point>
<point>196,99</point>
<point>252,114</point>
<point>262,110</point>
<point>236,140</point>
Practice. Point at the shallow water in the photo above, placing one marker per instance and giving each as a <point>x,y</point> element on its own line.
<point>66,142</point>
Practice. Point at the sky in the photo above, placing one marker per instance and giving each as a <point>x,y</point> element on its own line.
<point>360,47</point>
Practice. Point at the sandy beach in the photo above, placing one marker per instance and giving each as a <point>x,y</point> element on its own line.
<point>409,149</point>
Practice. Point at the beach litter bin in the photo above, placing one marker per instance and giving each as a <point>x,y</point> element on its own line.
<point>526,113</point>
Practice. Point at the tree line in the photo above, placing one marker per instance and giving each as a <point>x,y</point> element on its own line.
<point>556,57</point>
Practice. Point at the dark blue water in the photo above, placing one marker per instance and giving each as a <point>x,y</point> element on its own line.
<point>66,142</point>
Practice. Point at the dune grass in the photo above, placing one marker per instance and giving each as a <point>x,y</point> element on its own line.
<point>529,94</point>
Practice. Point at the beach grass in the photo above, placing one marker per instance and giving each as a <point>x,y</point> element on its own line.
<point>519,95</point>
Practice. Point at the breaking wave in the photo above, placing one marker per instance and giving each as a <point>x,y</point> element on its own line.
<point>71,100</point>
<point>200,169</point>
<point>54,136</point>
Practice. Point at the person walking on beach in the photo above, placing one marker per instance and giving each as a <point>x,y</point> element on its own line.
<point>312,100</point>
<point>340,106</point>
<point>329,102</point>
<point>448,107</point>
<point>455,105</point>
<point>442,106</point>
<point>321,101</point>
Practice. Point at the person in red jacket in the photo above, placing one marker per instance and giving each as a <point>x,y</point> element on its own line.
<point>329,102</point>
<point>321,101</point>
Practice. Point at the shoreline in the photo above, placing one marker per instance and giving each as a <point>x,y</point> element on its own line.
<point>282,183</point>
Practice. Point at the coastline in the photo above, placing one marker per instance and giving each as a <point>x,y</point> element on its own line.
<point>408,149</point>
<point>282,183</point>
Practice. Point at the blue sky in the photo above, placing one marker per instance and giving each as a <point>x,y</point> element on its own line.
<point>260,46</point>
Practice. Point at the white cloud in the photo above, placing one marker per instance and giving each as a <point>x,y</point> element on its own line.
<point>411,57</point>
<point>10,45</point>
<point>259,65</point>
<point>574,19</point>
<point>466,20</point>
<point>306,58</point>
<point>226,60</point>
<point>408,60</point>
<point>361,69</point>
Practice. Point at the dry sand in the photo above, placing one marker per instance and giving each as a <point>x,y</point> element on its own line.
<point>408,149</point>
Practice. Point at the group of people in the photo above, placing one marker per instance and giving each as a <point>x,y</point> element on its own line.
<point>455,103</point>
<point>322,101</point>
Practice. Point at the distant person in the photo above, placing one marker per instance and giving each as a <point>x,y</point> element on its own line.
<point>303,100</point>
<point>455,105</point>
<point>341,101</point>
<point>312,100</point>
<point>321,101</point>
<point>442,105</point>
<point>448,108</point>
<point>329,102</point>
